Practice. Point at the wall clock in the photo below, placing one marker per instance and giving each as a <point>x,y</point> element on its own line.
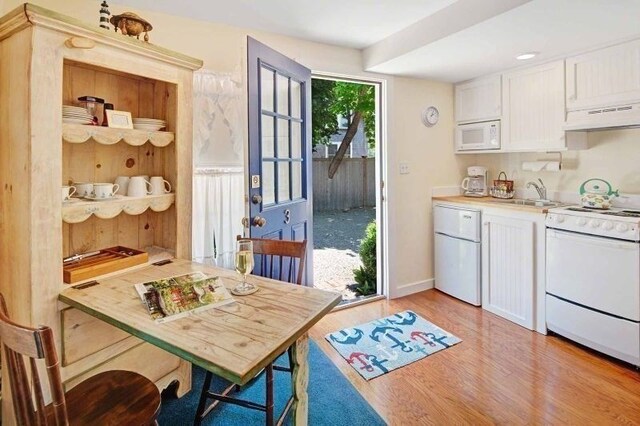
<point>430,116</point>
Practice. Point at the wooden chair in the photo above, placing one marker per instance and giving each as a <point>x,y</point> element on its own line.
<point>108,398</point>
<point>277,259</point>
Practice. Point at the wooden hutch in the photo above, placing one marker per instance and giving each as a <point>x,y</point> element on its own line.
<point>48,60</point>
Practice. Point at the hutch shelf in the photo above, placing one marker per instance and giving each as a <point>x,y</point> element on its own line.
<point>40,71</point>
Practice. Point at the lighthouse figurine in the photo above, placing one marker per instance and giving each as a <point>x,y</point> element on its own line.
<point>104,15</point>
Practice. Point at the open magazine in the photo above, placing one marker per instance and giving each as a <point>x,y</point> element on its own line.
<point>176,297</point>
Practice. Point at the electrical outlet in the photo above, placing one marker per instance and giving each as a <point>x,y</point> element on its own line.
<point>404,168</point>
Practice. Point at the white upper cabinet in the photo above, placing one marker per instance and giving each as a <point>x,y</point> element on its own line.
<point>534,108</point>
<point>479,100</point>
<point>605,77</point>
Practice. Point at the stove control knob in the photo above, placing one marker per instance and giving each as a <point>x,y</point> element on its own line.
<point>607,226</point>
<point>594,223</point>
<point>582,221</point>
<point>621,227</point>
<point>558,218</point>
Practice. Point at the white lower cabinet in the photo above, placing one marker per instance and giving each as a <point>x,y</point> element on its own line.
<point>510,265</point>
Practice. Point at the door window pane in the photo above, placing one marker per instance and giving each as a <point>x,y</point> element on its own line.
<point>296,140</point>
<point>283,181</point>
<point>283,138</point>
<point>268,183</point>
<point>283,94</point>
<point>268,136</point>
<point>266,88</point>
<point>296,99</point>
<point>296,180</point>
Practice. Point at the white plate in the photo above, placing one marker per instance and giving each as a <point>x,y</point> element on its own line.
<point>150,123</point>
<point>77,117</point>
<point>73,108</point>
<point>90,198</point>
<point>153,120</point>
<point>147,128</point>
<point>76,121</point>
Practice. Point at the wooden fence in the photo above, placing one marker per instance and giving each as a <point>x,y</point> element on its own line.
<point>352,186</point>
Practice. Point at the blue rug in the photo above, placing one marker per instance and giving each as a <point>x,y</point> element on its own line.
<point>332,399</point>
<point>380,346</point>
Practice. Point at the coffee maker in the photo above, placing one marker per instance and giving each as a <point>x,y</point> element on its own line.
<point>476,183</point>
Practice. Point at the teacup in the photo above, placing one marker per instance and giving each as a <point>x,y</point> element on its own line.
<point>67,192</point>
<point>138,187</point>
<point>104,190</point>
<point>83,189</point>
<point>123,184</point>
<point>160,186</point>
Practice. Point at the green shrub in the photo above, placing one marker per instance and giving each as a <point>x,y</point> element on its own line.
<point>366,275</point>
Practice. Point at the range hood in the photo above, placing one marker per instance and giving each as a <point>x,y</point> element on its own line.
<point>606,118</point>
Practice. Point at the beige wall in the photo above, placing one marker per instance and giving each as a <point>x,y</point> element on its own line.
<point>612,155</point>
<point>429,152</point>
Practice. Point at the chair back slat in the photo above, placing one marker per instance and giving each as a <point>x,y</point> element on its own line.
<point>22,342</point>
<point>273,255</point>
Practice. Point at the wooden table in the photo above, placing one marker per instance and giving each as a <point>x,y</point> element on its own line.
<point>234,341</point>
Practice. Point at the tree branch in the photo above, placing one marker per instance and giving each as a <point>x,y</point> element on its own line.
<point>344,145</point>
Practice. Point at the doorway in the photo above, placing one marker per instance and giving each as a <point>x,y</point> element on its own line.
<point>347,186</point>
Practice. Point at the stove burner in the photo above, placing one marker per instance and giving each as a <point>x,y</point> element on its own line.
<point>624,213</point>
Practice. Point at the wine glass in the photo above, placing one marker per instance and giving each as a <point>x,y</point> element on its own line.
<point>244,266</point>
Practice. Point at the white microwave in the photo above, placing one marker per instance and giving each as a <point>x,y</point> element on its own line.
<point>478,136</point>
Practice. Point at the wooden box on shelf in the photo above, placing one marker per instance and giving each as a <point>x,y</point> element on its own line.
<point>103,262</point>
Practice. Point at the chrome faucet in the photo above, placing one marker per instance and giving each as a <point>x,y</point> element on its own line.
<point>541,189</point>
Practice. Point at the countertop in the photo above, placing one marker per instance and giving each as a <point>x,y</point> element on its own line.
<point>491,202</point>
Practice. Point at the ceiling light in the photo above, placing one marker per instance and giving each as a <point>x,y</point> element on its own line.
<point>526,56</point>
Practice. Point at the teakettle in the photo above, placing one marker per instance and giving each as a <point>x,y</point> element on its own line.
<point>595,195</point>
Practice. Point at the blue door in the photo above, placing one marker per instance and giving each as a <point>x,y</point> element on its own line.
<point>280,184</point>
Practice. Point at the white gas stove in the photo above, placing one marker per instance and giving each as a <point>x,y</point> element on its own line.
<point>593,278</point>
<point>623,224</point>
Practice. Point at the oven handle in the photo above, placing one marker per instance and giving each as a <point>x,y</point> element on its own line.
<point>592,239</point>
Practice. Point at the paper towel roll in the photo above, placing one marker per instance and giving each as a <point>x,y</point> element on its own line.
<point>537,166</point>
<point>533,166</point>
<point>553,166</point>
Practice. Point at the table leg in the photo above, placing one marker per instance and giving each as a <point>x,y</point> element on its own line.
<point>300,378</point>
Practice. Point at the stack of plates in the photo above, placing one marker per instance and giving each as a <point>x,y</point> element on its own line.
<point>76,115</point>
<point>149,124</point>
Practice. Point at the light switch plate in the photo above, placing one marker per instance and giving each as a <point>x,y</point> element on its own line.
<point>404,168</point>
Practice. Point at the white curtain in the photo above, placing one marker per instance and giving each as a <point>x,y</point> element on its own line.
<point>218,181</point>
<point>218,208</point>
<point>217,118</point>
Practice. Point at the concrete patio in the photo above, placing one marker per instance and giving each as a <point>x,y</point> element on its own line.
<point>337,236</point>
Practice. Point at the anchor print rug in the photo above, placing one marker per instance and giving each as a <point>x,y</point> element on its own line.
<point>379,346</point>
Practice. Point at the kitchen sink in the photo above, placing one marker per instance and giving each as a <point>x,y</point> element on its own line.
<point>535,203</point>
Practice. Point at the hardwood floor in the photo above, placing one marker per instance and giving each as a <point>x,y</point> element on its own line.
<point>500,373</point>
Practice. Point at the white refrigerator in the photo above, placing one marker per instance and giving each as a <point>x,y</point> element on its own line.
<point>457,252</point>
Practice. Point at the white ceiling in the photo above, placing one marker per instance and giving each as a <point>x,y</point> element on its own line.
<point>555,28</point>
<point>447,40</point>
<point>350,23</point>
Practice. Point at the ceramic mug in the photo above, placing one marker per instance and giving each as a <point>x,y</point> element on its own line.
<point>67,192</point>
<point>139,187</point>
<point>83,189</point>
<point>160,186</point>
<point>104,190</point>
<point>123,185</point>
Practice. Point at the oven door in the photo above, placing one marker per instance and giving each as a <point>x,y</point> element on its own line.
<point>599,273</point>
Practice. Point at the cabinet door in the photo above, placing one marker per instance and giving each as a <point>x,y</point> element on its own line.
<point>534,111</point>
<point>479,100</point>
<point>605,77</point>
<point>507,268</point>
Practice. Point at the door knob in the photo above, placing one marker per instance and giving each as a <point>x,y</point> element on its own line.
<point>259,221</point>
<point>256,199</point>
